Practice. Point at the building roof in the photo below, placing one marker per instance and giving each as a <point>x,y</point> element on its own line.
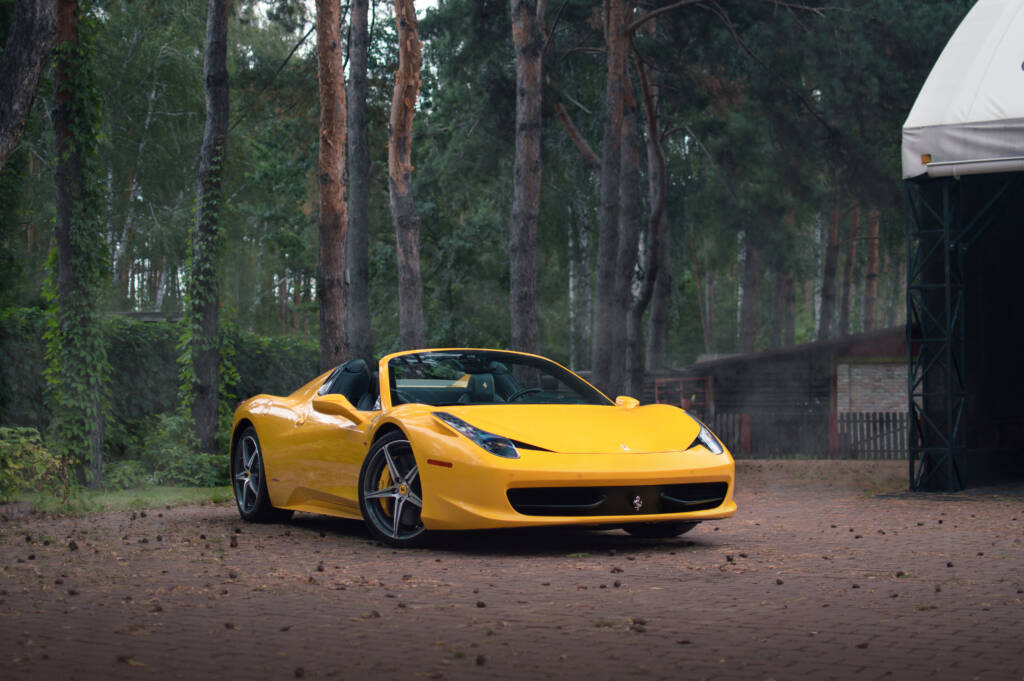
<point>969,115</point>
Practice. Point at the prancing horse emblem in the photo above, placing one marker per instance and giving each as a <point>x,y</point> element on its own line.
<point>637,504</point>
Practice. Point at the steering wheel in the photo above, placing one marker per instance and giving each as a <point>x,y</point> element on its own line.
<point>525,391</point>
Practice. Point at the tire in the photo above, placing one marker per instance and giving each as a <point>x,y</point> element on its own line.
<point>390,495</point>
<point>658,530</point>
<point>249,482</point>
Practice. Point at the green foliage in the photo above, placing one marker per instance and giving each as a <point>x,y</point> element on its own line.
<point>754,133</point>
<point>126,475</point>
<point>143,388</point>
<point>171,459</point>
<point>21,373</point>
<point>27,465</point>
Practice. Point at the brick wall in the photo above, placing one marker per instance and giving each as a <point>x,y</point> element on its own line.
<point>871,386</point>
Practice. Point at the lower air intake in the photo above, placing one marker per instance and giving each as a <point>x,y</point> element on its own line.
<point>620,500</point>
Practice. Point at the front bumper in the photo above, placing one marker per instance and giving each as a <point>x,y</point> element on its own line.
<point>466,488</point>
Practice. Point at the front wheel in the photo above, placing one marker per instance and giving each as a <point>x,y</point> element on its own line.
<point>390,494</point>
<point>658,530</point>
<point>249,482</point>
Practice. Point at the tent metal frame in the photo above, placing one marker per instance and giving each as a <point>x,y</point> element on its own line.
<point>938,236</point>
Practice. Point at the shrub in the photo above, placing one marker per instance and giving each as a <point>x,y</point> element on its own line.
<point>27,466</point>
<point>126,475</point>
<point>173,460</point>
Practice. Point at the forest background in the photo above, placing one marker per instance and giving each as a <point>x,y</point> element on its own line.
<point>707,177</point>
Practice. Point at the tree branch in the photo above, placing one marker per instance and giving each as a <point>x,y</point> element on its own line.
<point>661,10</point>
<point>554,25</point>
<point>577,138</point>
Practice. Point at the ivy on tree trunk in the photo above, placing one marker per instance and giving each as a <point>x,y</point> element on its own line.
<point>76,352</point>
<point>202,388</point>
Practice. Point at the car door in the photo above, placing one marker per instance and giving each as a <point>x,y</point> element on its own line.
<point>329,444</point>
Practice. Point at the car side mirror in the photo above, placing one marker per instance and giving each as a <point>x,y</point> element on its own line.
<point>338,405</point>
<point>626,402</point>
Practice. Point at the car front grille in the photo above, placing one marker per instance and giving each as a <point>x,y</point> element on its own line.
<point>618,500</point>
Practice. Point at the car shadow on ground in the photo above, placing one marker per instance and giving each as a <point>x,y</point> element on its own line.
<point>533,541</point>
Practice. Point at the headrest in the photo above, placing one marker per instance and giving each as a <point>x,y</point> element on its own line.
<point>481,387</point>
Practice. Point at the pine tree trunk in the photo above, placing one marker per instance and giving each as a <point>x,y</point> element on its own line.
<point>709,311</point>
<point>828,279</point>
<point>30,36</point>
<point>360,333</point>
<point>749,307</point>
<point>871,278</point>
<point>851,257</point>
<point>204,295</point>
<point>629,235</point>
<point>333,221</point>
<point>705,298</point>
<point>68,174</point>
<point>616,13</point>
<point>789,302</point>
<point>580,261</point>
<point>522,235</point>
<point>657,319</point>
<point>657,234</point>
<point>778,303</point>
<point>403,208</point>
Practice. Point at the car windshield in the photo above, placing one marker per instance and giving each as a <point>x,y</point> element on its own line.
<point>453,377</point>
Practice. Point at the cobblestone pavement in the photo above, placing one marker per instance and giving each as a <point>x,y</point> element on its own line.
<point>814,578</point>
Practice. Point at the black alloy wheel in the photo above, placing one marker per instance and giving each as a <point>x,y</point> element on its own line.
<point>390,494</point>
<point>249,482</point>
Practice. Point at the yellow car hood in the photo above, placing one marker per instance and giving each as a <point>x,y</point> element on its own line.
<point>585,429</point>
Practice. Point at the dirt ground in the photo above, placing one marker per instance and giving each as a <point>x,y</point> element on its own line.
<point>828,571</point>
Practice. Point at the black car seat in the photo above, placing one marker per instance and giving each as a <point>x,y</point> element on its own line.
<point>351,380</point>
<point>369,398</point>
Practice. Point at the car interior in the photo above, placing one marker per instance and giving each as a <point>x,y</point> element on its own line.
<point>354,380</point>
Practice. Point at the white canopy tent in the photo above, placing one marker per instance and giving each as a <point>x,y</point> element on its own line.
<point>969,116</point>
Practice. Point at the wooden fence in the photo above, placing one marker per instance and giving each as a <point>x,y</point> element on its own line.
<point>873,435</point>
<point>861,435</point>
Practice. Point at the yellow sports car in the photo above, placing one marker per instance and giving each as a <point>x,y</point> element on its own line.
<point>461,439</point>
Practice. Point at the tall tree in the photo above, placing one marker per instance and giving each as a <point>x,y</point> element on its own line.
<point>750,304</point>
<point>527,18</point>
<point>851,256</point>
<point>29,39</point>
<point>75,346</point>
<point>330,176</point>
<point>360,337</point>
<point>605,355</point>
<point>871,277</point>
<point>527,36</point>
<point>655,261</point>
<point>630,183</point>
<point>203,291</point>
<point>404,215</point>
<point>828,278</point>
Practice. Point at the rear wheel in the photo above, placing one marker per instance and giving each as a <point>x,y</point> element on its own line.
<point>249,482</point>
<point>658,530</point>
<point>390,495</point>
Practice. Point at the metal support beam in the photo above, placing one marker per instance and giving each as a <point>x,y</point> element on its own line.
<point>940,228</point>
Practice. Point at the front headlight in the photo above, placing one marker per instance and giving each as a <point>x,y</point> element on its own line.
<point>707,438</point>
<point>495,444</point>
